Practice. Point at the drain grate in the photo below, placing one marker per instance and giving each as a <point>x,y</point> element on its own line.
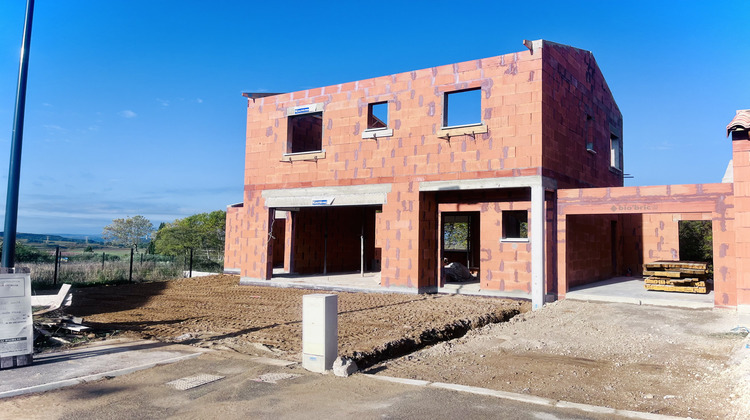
<point>272,378</point>
<point>193,381</point>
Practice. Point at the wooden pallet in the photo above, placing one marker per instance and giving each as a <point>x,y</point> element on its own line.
<point>665,265</point>
<point>675,282</point>
<point>671,288</point>
<point>676,276</point>
<point>675,273</point>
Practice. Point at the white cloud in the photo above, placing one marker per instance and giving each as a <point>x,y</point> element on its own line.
<point>127,114</point>
<point>53,127</point>
<point>199,100</point>
<point>163,102</point>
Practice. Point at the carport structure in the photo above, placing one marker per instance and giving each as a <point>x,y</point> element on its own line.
<point>611,232</point>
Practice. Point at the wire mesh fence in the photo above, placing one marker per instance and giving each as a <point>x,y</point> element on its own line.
<point>106,268</point>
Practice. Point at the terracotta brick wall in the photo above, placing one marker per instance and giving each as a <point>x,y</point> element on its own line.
<point>511,107</point>
<point>256,258</point>
<point>577,107</point>
<point>589,249</point>
<point>233,245</point>
<point>661,240</point>
<point>741,158</point>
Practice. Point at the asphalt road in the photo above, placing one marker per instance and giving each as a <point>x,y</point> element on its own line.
<point>240,394</point>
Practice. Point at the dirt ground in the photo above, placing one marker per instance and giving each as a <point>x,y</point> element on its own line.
<point>216,312</point>
<point>652,359</point>
<point>642,358</point>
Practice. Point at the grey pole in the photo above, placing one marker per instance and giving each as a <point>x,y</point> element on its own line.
<point>14,169</point>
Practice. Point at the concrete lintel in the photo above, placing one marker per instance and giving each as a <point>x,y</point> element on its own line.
<point>489,183</point>
<point>350,195</point>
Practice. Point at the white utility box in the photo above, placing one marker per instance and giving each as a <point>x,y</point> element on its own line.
<point>319,331</point>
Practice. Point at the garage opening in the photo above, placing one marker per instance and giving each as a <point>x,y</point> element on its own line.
<point>331,240</point>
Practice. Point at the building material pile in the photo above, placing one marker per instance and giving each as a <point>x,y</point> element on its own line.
<point>676,276</point>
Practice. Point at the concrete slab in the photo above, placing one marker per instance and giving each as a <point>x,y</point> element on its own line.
<point>339,282</point>
<point>631,290</point>
<point>90,363</point>
<point>370,283</point>
<point>473,289</point>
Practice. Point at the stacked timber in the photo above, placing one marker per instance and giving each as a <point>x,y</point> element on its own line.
<point>676,276</point>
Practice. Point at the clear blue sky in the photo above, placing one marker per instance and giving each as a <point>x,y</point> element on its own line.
<point>135,106</point>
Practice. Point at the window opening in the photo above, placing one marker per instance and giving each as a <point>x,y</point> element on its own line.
<point>377,115</point>
<point>515,224</point>
<point>615,151</point>
<point>456,233</point>
<point>462,107</point>
<point>305,133</point>
<point>589,134</point>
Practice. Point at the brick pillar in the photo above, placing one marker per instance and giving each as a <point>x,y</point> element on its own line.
<point>257,261</point>
<point>741,159</point>
<point>562,255</point>
<point>289,242</point>
<point>405,245</point>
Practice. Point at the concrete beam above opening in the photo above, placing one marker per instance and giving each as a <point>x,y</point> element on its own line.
<point>489,183</point>
<point>352,195</point>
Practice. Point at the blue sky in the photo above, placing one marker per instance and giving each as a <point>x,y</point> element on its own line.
<point>135,106</point>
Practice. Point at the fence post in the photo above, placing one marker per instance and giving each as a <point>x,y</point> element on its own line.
<point>57,263</point>
<point>130,276</point>
<point>103,254</point>
<point>190,274</point>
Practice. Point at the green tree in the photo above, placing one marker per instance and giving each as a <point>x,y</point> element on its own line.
<point>696,240</point>
<point>456,235</point>
<point>29,254</point>
<point>130,231</point>
<point>203,231</point>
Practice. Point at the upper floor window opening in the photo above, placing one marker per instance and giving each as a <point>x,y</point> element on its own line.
<point>615,152</point>
<point>305,133</point>
<point>377,115</point>
<point>462,107</point>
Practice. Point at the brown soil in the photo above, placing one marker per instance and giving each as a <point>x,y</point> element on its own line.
<point>651,359</point>
<point>641,358</point>
<point>217,312</point>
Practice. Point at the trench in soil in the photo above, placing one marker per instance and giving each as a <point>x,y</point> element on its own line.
<point>404,346</point>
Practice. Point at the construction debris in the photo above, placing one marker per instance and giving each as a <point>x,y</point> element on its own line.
<point>677,276</point>
<point>52,302</point>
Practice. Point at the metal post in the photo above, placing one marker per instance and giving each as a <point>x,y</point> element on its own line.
<point>57,263</point>
<point>362,249</point>
<point>325,245</point>
<point>14,169</point>
<point>130,276</point>
<point>190,270</point>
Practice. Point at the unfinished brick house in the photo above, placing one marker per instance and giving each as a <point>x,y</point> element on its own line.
<point>521,154</point>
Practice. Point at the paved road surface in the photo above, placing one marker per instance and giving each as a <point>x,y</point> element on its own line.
<point>145,394</point>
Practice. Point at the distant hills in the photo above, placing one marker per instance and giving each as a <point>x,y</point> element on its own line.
<point>63,237</point>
